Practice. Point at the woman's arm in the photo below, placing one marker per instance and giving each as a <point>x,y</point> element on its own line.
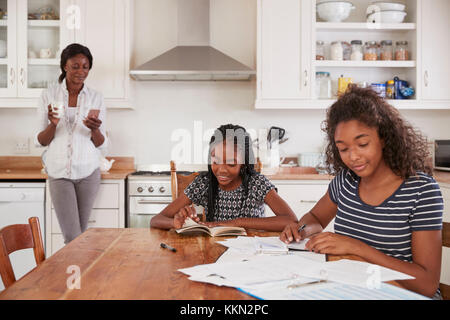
<point>315,220</point>
<point>174,214</point>
<point>426,249</point>
<point>46,136</point>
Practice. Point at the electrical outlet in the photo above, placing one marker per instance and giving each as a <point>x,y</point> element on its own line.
<point>22,146</point>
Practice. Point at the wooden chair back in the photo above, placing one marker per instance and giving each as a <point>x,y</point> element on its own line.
<point>445,288</point>
<point>18,237</point>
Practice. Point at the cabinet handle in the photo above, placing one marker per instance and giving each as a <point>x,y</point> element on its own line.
<point>306,78</point>
<point>92,221</point>
<point>425,78</point>
<point>22,78</point>
<point>308,201</point>
<point>12,75</point>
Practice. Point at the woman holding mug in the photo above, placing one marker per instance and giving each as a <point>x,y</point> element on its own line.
<point>71,126</point>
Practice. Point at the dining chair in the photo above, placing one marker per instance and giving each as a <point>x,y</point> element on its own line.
<point>18,237</point>
<point>445,288</point>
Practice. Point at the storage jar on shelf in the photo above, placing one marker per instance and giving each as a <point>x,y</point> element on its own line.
<point>386,50</point>
<point>320,50</point>
<point>370,51</point>
<point>337,51</point>
<point>357,52</point>
<point>401,50</point>
<point>323,85</point>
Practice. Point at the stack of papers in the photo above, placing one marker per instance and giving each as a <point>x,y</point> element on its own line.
<point>290,276</point>
<point>262,245</point>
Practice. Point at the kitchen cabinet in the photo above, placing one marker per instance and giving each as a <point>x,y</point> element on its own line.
<point>301,196</point>
<point>108,212</point>
<point>284,36</point>
<point>287,64</point>
<point>435,48</point>
<point>31,46</point>
<point>105,28</point>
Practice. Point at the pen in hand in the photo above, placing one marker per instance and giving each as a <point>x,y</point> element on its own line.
<point>166,246</point>
<point>300,229</point>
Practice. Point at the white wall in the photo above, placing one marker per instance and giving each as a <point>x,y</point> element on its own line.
<point>163,107</point>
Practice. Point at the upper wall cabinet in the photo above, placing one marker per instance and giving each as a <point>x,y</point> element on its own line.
<point>435,40</point>
<point>284,60</point>
<point>105,28</point>
<point>30,41</point>
<point>34,32</point>
<point>291,35</point>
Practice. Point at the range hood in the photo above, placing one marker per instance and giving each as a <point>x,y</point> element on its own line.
<point>193,58</point>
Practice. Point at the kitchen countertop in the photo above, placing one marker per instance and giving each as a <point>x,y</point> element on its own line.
<point>30,168</point>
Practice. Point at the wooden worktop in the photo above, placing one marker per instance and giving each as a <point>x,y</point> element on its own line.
<point>294,173</point>
<point>30,168</point>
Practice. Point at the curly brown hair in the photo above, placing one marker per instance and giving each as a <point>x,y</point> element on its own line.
<point>406,149</point>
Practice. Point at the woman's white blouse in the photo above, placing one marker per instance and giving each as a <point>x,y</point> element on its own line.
<point>71,154</point>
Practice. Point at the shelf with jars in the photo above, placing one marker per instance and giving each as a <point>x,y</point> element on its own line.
<point>366,53</point>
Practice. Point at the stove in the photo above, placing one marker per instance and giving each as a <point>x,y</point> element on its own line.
<point>149,192</point>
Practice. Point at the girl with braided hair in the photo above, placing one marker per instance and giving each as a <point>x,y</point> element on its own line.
<point>231,191</point>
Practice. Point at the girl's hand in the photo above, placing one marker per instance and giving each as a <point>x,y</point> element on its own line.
<point>291,233</point>
<point>183,214</point>
<point>92,123</point>
<point>51,116</point>
<point>332,243</point>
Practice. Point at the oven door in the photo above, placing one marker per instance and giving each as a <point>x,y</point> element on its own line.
<point>143,209</point>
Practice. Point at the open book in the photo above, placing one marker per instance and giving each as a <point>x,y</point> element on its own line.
<point>191,226</point>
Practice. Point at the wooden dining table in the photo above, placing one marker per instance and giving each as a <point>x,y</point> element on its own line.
<point>127,263</point>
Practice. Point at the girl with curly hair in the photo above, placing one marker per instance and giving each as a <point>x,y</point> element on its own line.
<point>387,207</point>
<point>231,191</point>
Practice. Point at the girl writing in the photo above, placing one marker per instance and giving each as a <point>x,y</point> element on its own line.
<point>387,207</point>
<point>231,191</point>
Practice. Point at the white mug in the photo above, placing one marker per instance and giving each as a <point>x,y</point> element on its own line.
<point>58,108</point>
<point>45,53</point>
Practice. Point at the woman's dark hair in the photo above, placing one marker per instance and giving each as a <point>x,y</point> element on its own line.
<point>405,148</point>
<point>243,144</point>
<point>71,51</point>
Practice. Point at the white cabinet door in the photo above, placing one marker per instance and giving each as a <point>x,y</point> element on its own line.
<point>435,49</point>
<point>105,30</point>
<point>8,63</point>
<point>284,45</point>
<point>301,196</point>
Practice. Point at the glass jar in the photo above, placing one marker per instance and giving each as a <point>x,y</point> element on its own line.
<point>386,50</point>
<point>337,51</point>
<point>401,50</point>
<point>320,50</point>
<point>357,51</point>
<point>323,85</point>
<point>370,51</point>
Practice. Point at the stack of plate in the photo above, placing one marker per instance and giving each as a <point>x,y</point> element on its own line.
<point>386,12</point>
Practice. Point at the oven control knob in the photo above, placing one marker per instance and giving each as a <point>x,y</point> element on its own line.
<point>150,189</point>
<point>140,189</point>
<point>162,189</point>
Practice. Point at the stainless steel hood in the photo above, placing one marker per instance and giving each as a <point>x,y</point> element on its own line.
<point>194,58</point>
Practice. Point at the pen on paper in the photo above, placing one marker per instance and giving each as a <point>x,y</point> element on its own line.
<point>166,246</point>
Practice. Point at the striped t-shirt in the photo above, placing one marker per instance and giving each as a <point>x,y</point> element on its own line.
<point>415,206</point>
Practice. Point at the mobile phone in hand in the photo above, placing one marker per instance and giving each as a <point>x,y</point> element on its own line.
<point>93,113</point>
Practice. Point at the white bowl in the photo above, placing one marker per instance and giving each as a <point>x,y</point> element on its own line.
<point>390,16</point>
<point>334,11</point>
<point>397,6</point>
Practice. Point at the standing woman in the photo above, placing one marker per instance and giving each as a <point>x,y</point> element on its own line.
<point>74,136</point>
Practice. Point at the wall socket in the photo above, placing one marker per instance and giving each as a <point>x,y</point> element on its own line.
<point>22,146</point>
